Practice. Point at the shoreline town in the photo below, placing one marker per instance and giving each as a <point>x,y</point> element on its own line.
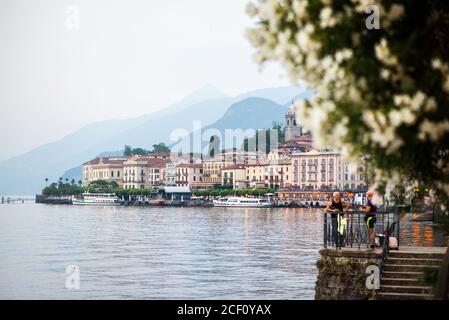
<point>295,174</point>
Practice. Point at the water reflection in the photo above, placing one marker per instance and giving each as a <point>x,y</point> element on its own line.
<point>162,253</point>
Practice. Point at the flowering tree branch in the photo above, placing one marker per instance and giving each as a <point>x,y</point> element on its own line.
<point>383,93</point>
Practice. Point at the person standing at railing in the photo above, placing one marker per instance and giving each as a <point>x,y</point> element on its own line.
<point>336,207</point>
<point>370,218</point>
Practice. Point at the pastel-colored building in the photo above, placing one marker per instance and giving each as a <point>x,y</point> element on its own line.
<point>325,170</point>
<point>189,175</point>
<point>234,176</point>
<point>212,170</point>
<point>140,172</point>
<point>255,175</point>
<point>103,168</point>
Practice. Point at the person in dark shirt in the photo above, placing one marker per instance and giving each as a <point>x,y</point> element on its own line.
<point>336,207</point>
<point>370,218</point>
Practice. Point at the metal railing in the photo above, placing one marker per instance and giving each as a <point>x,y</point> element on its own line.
<point>390,231</point>
<point>356,232</point>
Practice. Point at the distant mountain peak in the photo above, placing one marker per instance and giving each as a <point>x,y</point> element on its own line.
<point>207,92</point>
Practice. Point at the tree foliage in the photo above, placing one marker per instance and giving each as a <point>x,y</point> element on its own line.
<point>157,148</point>
<point>160,148</point>
<point>382,93</point>
<point>62,189</point>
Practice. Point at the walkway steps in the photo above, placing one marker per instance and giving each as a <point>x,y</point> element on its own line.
<point>408,267</point>
<point>404,272</point>
<point>408,289</point>
<point>413,282</point>
<point>414,255</point>
<point>402,275</point>
<point>403,296</point>
<point>414,261</point>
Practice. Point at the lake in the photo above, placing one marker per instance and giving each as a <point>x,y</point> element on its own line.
<point>165,252</point>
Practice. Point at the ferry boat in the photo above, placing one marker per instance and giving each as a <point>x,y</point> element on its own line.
<point>242,202</point>
<point>97,199</point>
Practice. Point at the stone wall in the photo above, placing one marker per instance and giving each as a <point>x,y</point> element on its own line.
<point>342,274</point>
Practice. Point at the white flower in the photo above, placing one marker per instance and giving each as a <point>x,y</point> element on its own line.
<point>418,100</point>
<point>326,18</point>
<point>436,64</point>
<point>251,9</point>
<point>430,105</point>
<point>395,117</point>
<point>396,12</point>
<point>383,53</point>
<point>299,8</point>
<point>433,130</point>
<point>385,74</point>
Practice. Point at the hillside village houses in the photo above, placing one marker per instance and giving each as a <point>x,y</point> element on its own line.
<point>293,167</point>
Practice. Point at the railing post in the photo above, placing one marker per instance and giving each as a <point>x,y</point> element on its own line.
<point>351,233</point>
<point>358,226</point>
<point>325,230</point>
<point>398,214</point>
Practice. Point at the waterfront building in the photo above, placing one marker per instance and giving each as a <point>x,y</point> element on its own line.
<point>190,175</point>
<point>175,195</point>
<point>278,172</point>
<point>234,176</point>
<point>134,173</point>
<point>156,172</point>
<point>325,170</point>
<point>275,171</point>
<point>212,169</point>
<point>103,168</point>
<point>255,175</point>
<point>170,171</point>
<point>140,172</point>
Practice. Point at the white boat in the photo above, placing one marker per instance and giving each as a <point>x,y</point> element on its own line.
<point>242,202</point>
<point>97,199</point>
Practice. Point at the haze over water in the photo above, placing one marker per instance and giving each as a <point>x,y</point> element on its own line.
<point>165,253</point>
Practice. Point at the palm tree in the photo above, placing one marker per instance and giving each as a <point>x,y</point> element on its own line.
<point>46,182</point>
<point>80,182</point>
<point>73,181</point>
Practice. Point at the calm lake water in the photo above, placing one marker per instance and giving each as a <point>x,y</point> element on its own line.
<point>165,253</point>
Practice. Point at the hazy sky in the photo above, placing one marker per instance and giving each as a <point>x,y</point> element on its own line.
<point>126,58</point>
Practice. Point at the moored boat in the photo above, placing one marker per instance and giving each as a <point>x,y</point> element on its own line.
<point>97,199</point>
<point>242,202</point>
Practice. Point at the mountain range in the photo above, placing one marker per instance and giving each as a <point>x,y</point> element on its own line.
<point>25,174</point>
